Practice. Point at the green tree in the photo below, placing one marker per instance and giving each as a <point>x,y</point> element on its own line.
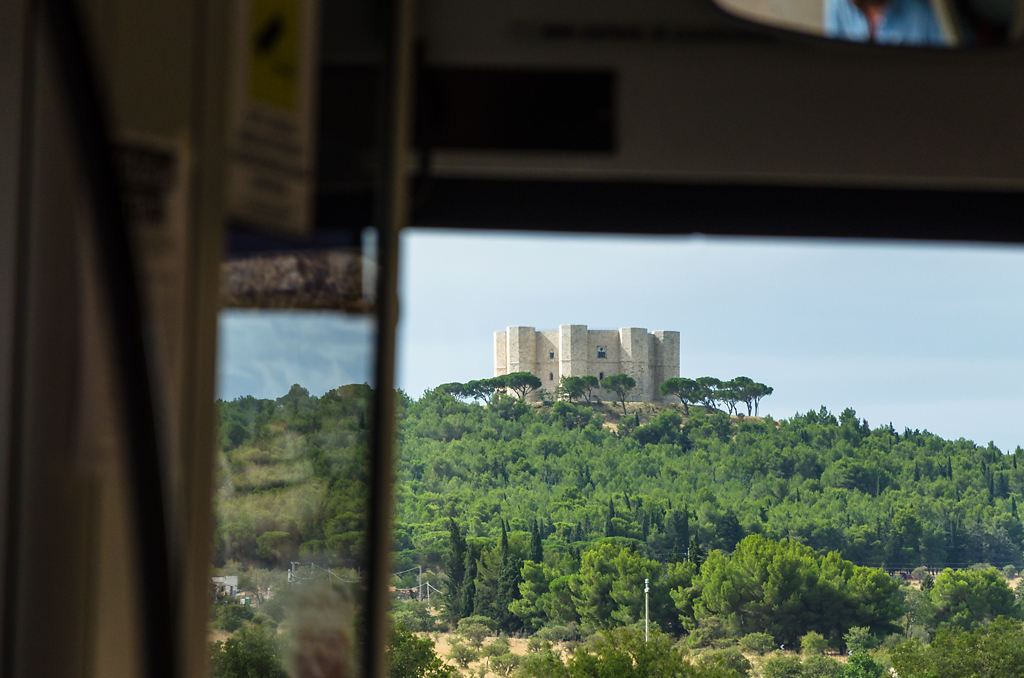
<point>608,589</point>
<point>571,388</point>
<point>536,545</point>
<point>622,653</point>
<point>410,656</point>
<point>745,389</point>
<point>729,394</point>
<point>995,650</point>
<point>757,643</point>
<point>483,389</point>
<point>590,384</point>
<point>687,390</point>
<point>812,643</point>
<point>455,571</point>
<point>462,654</point>
<point>521,383</point>
<point>782,666</point>
<point>621,385</point>
<point>965,598</point>
<point>251,652</point>
<point>708,394</point>
<point>760,391</point>
<point>861,665</point>
<point>820,666</point>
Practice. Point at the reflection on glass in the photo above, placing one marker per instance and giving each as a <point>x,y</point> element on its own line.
<point>911,23</point>
<point>887,22</point>
<point>291,492</point>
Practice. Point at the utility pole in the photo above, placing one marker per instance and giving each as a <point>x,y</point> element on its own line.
<point>647,610</point>
<point>419,584</point>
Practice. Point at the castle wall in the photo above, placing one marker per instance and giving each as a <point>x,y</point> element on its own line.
<point>573,350</point>
<point>665,358</point>
<point>500,353</point>
<point>521,349</point>
<point>547,366</point>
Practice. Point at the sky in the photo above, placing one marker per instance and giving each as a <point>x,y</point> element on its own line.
<point>927,337</point>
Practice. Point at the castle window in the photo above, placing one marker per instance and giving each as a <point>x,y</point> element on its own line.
<point>551,354</point>
<point>551,376</point>
<point>600,375</point>
<point>601,353</point>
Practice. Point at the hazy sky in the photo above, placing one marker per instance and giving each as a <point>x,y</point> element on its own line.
<point>928,337</point>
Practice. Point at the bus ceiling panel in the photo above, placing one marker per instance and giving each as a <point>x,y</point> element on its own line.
<point>699,96</point>
<point>748,210</point>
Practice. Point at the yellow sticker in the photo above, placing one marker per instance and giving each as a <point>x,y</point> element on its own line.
<point>274,34</point>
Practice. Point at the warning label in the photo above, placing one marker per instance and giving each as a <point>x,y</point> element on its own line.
<point>274,32</point>
<point>270,152</point>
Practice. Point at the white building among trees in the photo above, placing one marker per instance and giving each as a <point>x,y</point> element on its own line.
<point>575,351</point>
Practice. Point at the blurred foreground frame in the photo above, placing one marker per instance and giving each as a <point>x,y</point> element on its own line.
<point>316,279</point>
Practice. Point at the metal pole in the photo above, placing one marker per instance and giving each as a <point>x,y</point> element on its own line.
<point>647,610</point>
<point>419,584</point>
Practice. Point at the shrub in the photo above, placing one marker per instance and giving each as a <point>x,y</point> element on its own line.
<point>535,645</point>
<point>820,666</point>
<point>230,616</point>
<point>557,633</point>
<point>500,646</point>
<point>1009,571</point>
<point>919,572</point>
<point>462,654</point>
<point>758,643</point>
<point>413,615</point>
<point>859,639</point>
<point>410,656</point>
<point>503,664</point>
<point>782,666</point>
<point>861,665</point>
<point>812,643</point>
<point>250,652</point>
<point>475,629</point>
<point>727,660</point>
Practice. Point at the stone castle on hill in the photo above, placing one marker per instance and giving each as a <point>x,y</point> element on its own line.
<point>575,351</point>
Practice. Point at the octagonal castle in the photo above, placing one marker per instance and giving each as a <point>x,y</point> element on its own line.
<point>575,351</point>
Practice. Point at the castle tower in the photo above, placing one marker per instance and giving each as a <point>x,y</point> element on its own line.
<point>575,351</point>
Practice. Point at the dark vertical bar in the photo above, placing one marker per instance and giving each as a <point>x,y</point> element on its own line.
<point>120,282</point>
<point>390,214</point>
<point>15,443</point>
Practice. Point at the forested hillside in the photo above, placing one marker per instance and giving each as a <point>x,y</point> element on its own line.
<point>293,478</point>
<point>545,520</point>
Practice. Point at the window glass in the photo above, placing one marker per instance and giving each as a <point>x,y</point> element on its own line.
<point>295,393</point>
<point>536,514</point>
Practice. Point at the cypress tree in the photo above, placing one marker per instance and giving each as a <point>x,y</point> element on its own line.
<point>1013,505</point>
<point>455,566</point>
<point>536,545</point>
<point>468,597</point>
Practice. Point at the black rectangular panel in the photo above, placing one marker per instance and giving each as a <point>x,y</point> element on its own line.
<point>515,110</point>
